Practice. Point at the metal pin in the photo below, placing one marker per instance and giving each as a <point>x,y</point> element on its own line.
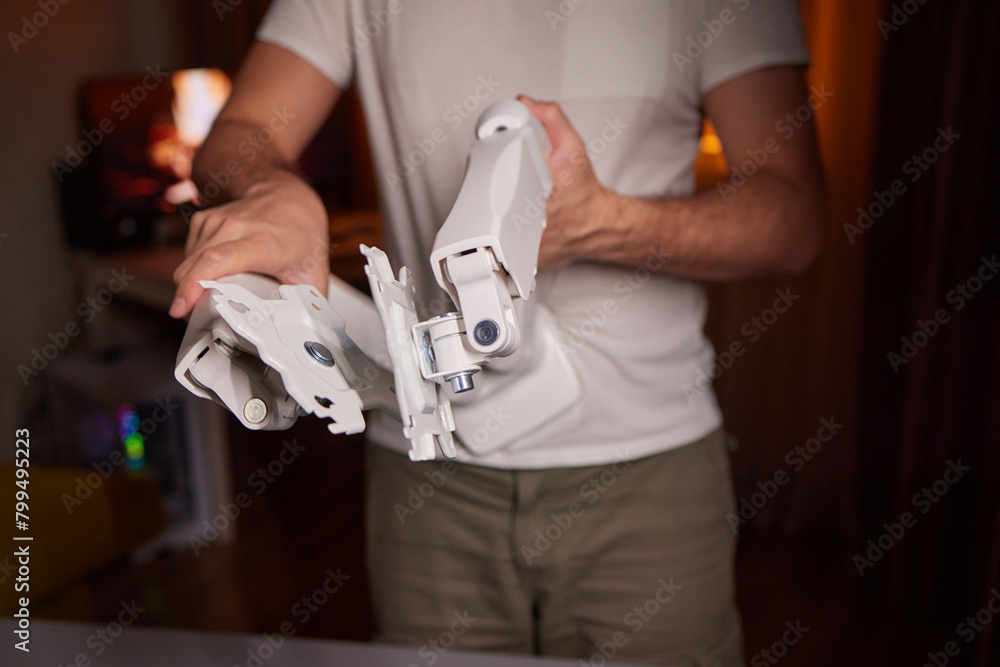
<point>255,411</point>
<point>461,382</point>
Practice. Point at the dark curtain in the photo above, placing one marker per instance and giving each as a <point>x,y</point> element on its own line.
<point>939,400</point>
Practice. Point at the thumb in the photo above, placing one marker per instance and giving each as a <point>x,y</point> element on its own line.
<point>563,139</point>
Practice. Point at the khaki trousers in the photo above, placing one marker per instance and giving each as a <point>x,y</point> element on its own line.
<point>631,561</point>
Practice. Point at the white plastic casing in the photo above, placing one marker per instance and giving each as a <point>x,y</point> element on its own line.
<point>499,215</point>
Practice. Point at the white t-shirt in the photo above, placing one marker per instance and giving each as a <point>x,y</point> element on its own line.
<point>630,75</point>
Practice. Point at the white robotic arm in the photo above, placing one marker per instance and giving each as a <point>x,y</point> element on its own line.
<point>486,253</point>
<point>270,352</point>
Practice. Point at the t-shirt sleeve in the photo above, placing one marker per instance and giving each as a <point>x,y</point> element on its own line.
<point>317,31</point>
<point>755,34</point>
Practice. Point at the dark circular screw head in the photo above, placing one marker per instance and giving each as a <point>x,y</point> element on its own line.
<point>486,332</point>
<point>319,352</point>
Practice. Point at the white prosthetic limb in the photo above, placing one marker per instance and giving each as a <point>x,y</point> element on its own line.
<point>486,253</point>
<point>268,352</point>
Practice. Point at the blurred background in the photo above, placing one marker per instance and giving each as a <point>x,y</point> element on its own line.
<point>874,398</point>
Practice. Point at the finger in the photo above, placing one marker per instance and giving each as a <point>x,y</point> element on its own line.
<point>230,251</point>
<point>195,223</point>
<point>208,229</point>
<point>212,263</point>
<point>203,224</point>
<point>184,300</point>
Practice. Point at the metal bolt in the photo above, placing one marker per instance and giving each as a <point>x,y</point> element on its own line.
<point>226,349</point>
<point>461,382</point>
<point>320,353</point>
<point>486,332</point>
<point>255,411</point>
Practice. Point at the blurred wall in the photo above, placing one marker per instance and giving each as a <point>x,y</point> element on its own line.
<point>39,84</point>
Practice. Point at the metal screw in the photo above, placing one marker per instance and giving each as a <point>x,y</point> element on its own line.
<point>486,332</point>
<point>461,382</point>
<point>255,411</point>
<point>320,353</point>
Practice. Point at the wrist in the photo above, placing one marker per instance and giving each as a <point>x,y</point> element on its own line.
<point>611,236</point>
<point>290,189</point>
<point>274,179</point>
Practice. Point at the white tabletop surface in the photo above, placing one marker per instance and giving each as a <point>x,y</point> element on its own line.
<point>63,644</point>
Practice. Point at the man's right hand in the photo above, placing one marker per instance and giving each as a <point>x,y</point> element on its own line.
<point>279,228</point>
<point>268,220</point>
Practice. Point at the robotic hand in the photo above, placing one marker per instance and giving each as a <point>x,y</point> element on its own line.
<point>270,352</point>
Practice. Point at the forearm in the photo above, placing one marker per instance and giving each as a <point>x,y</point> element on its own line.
<point>260,216</point>
<point>769,225</point>
<point>772,223</point>
<point>232,162</point>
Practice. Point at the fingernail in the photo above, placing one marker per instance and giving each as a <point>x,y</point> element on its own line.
<point>178,306</point>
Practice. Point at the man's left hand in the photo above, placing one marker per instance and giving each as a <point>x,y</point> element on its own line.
<point>579,209</point>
